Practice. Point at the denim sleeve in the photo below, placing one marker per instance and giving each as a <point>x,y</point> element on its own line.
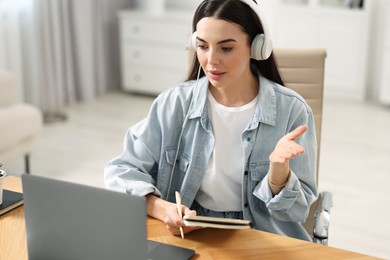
<point>130,171</point>
<point>135,169</point>
<point>294,200</point>
<point>291,204</point>
<point>141,168</point>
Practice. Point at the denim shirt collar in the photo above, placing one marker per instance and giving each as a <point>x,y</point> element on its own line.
<point>198,104</point>
<point>266,106</point>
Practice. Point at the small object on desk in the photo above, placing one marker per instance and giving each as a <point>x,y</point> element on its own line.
<point>11,200</point>
<point>178,205</point>
<point>3,174</point>
<point>214,222</point>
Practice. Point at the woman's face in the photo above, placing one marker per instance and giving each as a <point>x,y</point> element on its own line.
<point>223,52</point>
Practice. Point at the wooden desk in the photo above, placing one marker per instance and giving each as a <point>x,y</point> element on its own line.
<point>208,243</point>
<point>13,243</point>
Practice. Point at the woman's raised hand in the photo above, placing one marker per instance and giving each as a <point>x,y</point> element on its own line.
<point>287,148</point>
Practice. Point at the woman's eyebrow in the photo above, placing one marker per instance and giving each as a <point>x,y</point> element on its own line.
<point>220,42</point>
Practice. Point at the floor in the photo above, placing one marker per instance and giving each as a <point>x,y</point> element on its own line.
<point>354,165</point>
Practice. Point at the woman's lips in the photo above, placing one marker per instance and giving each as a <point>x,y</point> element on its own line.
<point>216,75</point>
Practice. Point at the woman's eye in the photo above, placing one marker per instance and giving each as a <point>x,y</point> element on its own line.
<point>227,49</point>
<point>202,47</point>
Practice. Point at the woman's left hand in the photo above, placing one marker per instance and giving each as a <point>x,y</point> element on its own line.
<point>286,149</point>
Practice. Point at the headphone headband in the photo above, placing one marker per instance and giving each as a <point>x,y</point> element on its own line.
<point>261,46</point>
<point>263,49</point>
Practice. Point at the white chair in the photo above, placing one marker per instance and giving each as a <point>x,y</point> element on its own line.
<point>19,123</point>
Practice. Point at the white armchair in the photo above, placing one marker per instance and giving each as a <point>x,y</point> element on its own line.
<point>19,122</point>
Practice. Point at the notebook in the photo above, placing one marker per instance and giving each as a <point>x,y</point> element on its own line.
<point>11,200</point>
<point>216,222</point>
<point>66,220</point>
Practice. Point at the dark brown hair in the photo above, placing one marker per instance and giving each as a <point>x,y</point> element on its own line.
<point>239,13</point>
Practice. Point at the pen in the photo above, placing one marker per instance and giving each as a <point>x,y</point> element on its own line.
<point>178,205</point>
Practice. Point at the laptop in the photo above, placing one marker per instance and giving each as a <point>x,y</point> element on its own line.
<point>66,220</point>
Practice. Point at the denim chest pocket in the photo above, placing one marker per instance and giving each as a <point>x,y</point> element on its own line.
<point>258,171</point>
<point>182,161</point>
<point>178,174</point>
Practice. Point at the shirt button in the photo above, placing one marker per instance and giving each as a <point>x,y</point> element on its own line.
<point>246,205</point>
<point>246,173</point>
<point>248,139</point>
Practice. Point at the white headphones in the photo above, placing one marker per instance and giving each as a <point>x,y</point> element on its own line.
<point>261,46</point>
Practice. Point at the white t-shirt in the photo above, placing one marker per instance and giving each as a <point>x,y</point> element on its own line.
<point>222,183</point>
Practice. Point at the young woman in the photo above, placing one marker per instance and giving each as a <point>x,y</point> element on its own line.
<point>232,139</point>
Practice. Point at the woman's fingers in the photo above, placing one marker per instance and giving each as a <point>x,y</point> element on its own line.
<point>297,132</point>
<point>287,148</point>
<point>173,221</point>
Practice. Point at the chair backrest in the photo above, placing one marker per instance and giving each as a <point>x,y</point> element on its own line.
<point>303,71</point>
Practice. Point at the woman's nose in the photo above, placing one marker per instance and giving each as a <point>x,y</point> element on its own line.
<point>213,57</point>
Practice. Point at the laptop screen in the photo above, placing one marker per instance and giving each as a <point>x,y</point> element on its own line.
<point>66,220</point>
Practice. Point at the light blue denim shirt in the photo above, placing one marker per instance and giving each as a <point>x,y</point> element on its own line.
<point>145,165</point>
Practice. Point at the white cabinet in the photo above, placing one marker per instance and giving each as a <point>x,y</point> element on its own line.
<point>342,32</point>
<point>384,84</point>
<point>379,58</point>
<point>153,50</point>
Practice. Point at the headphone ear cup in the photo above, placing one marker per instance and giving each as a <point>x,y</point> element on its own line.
<point>193,41</point>
<point>257,47</point>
